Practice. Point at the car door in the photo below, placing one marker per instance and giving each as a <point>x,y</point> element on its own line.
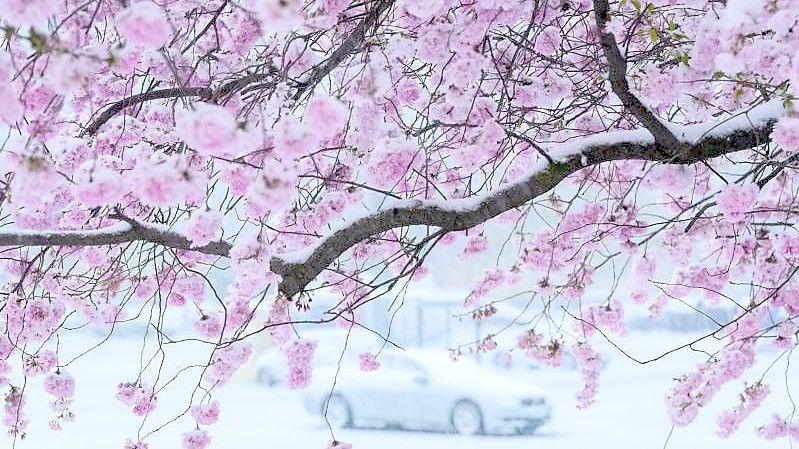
<point>414,402</point>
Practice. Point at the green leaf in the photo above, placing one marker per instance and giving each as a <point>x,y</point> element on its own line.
<point>38,42</point>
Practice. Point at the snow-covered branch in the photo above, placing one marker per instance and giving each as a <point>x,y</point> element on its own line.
<point>700,142</point>
<point>741,131</point>
<point>617,75</point>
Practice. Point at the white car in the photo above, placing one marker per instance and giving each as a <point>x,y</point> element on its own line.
<point>423,389</point>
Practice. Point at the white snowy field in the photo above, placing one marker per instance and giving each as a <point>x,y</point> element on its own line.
<point>630,409</point>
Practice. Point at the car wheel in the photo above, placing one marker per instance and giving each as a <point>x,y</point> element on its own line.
<point>466,418</point>
<point>337,413</point>
<point>264,377</point>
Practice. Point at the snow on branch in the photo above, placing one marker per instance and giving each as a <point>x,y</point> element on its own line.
<point>617,75</point>
<point>699,142</point>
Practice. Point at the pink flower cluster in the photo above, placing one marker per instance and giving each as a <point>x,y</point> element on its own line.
<point>695,390</point>
<point>13,412</point>
<point>487,344</point>
<point>196,439</point>
<point>489,282</point>
<point>226,361</point>
<point>550,354</point>
<point>735,200</point>
<point>299,356</point>
<point>778,428</point>
<point>368,362</point>
<point>206,414</point>
<point>61,385</point>
<point>130,444</point>
<point>210,130</point>
<point>203,227</point>
<point>752,397</point>
<point>144,24</point>
<point>590,364</point>
<point>139,396</point>
<point>38,364</point>
<point>609,316</point>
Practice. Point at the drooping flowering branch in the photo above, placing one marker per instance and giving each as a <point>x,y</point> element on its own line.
<point>744,132</point>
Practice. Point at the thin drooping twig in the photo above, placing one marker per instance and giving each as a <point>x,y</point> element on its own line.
<point>617,75</point>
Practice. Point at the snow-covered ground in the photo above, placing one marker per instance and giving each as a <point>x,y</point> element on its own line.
<point>630,409</point>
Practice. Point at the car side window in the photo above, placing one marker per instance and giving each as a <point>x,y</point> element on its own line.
<point>408,366</point>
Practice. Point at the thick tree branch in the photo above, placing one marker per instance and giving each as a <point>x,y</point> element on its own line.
<point>740,133</point>
<point>617,75</point>
<point>124,232</point>
<point>700,142</point>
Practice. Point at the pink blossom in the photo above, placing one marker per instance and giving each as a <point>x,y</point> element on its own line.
<point>102,187</point>
<point>208,129</point>
<point>38,364</point>
<point>368,362</point>
<point>294,139</point>
<point>144,24</point>
<point>392,164</point>
<point>475,245</point>
<point>129,444</point>
<point>69,73</point>
<point>737,199</point>
<point>779,427</point>
<point>327,115</point>
<point>28,12</point>
<point>423,8</point>
<point>203,227</point>
<point>60,384</point>
<point>548,41</point>
<point>786,134</point>
<point>277,16</point>
<point>590,363</point>
<point>786,335</point>
<point>730,420</point>
<point>299,356</point>
<point>209,326</point>
<point>196,439</point>
<point>206,414</point>
<point>139,396</point>
<point>549,353</point>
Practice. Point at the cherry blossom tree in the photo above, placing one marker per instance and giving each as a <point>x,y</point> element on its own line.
<point>149,147</point>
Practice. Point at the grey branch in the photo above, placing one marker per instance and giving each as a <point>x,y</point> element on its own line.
<point>297,274</point>
<point>617,75</point>
<point>125,232</point>
<point>204,93</point>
